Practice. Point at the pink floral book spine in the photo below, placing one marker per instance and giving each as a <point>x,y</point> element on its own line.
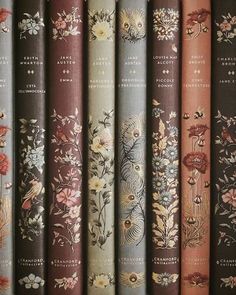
<point>65,147</point>
<point>195,141</point>
<point>6,148</point>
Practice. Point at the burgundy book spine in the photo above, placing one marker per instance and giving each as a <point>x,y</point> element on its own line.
<point>165,94</point>
<point>224,149</point>
<point>30,147</point>
<point>195,147</point>
<point>6,148</point>
<point>65,147</point>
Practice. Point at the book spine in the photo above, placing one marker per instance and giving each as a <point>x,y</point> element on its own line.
<point>101,104</point>
<point>6,147</point>
<point>131,164</point>
<point>30,147</point>
<point>165,94</point>
<point>223,148</point>
<point>65,261</point>
<point>195,141</point>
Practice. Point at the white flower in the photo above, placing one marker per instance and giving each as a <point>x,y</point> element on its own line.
<point>35,158</point>
<point>102,31</point>
<point>32,281</point>
<point>33,28</point>
<point>74,212</point>
<point>101,281</point>
<point>103,142</point>
<point>96,184</point>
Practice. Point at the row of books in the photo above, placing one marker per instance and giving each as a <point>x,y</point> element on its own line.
<point>110,115</point>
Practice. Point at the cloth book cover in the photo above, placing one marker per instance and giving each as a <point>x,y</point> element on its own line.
<point>65,169</point>
<point>131,141</point>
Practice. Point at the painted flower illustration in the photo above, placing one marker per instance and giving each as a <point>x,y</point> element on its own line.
<point>35,157</point>
<point>197,130</point>
<point>67,283</point>
<point>4,14</point>
<point>165,23</point>
<point>196,160</point>
<point>101,25</point>
<point>103,142</point>
<point>226,29</point>
<point>197,280</point>
<point>132,279</point>
<point>101,281</point>
<point>164,279</point>
<point>96,184</point>
<point>228,282</point>
<point>67,24</point>
<point>230,197</point>
<point>4,164</point>
<point>4,283</point>
<point>32,282</point>
<point>30,24</point>
<point>68,197</point>
<point>196,22</point>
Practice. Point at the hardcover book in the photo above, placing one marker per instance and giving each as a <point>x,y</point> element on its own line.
<point>131,164</point>
<point>65,39</point>
<point>30,147</point>
<point>6,148</point>
<point>195,142</point>
<point>165,95</point>
<point>223,149</point>
<point>101,111</point>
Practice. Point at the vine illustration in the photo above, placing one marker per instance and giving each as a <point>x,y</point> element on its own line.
<point>101,178</point>
<point>196,212</point>
<point>165,165</point>
<point>66,184</point>
<point>31,186</point>
<point>226,183</point>
<point>132,217</point>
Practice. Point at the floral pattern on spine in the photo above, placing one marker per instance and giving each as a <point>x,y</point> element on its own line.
<point>196,213</point>
<point>132,182</point>
<point>4,284</point>
<point>32,282</point>
<point>30,25</point>
<point>132,25</point>
<point>4,14</point>
<point>196,280</point>
<point>229,282</point>
<point>132,279</point>
<point>101,281</point>
<point>67,181</point>
<point>226,29</point>
<point>165,23</point>
<point>101,179</point>
<point>66,24</point>
<point>31,187</point>
<point>165,279</point>
<point>101,25</point>
<point>165,165</point>
<point>196,23</point>
<point>225,141</point>
<point>67,283</point>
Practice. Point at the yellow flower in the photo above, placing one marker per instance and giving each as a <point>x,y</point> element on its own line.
<point>101,281</point>
<point>102,31</point>
<point>96,184</point>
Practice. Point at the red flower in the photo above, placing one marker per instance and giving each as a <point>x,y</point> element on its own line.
<point>197,279</point>
<point>196,160</point>
<point>3,130</point>
<point>4,283</point>
<point>4,14</point>
<point>198,16</point>
<point>4,164</point>
<point>197,130</point>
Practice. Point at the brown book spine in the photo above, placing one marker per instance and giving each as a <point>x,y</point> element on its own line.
<point>6,148</point>
<point>223,148</point>
<point>195,141</point>
<point>30,147</point>
<point>165,94</point>
<point>65,147</point>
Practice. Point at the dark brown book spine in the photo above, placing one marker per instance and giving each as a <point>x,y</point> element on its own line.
<point>65,147</point>
<point>30,147</point>
<point>6,148</point>
<point>165,89</point>
<point>223,148</point>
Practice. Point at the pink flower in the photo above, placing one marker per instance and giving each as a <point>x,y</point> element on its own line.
<point>225,26</point>
<point>70,283</point>
<point>230,197</point>
<point>67,197</point>
<point>60,24</point>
